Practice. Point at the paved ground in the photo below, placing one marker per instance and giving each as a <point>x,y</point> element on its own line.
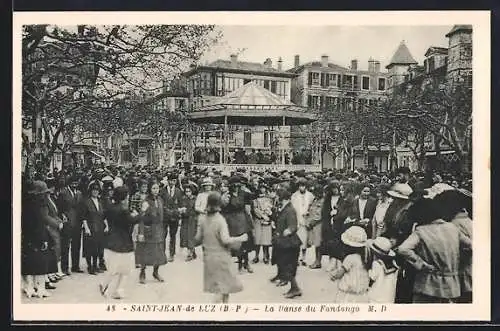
<point>184,281</point>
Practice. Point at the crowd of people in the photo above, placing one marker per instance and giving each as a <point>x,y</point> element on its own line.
<point>253,156</point>
<point>396,237</point>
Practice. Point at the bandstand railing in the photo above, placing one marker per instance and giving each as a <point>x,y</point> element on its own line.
<point>260,167</point>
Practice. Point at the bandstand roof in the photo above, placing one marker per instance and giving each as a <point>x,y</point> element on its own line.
<point>252,105</point>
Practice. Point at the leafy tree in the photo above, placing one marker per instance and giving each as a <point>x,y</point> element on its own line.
<point>69,73</point>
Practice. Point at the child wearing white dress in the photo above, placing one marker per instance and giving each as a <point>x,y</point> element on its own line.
<point>352,275</point>
<point>383,273</point>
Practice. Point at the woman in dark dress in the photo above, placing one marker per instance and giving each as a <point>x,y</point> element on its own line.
<point>34,239</point>
<point>119,245</point>
<point>189,221</point>
<point>341,213</point>
<point>150,247</point>
<point>236,217</point>
<point>54,226</point>
<point>328,213</point>
<point>94,228</point>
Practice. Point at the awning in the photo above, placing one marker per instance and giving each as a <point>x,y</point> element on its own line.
<point>99,156</point>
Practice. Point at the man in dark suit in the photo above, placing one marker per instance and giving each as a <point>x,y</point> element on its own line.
<point>286,245</point>
<point>363,210</point>
<point>171,196</point>
<point>71,235</point>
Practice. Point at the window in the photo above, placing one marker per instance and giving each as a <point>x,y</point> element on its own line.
<point>431,64</point>
<point>365,83</point>
<point>247,138</point>
<point>348,81</point>
<point>266,84</point>
<point>313,101</point>
<point>324,80</point>
<point>332,80</point>
<point>371,161</point>
<point>314,78</point>
<point>220,86</point>
<point>268,138</point>
<point>330,103</point>
<point>381,84</point>
<point>356,84</point>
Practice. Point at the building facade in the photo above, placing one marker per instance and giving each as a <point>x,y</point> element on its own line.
<point>446,67</point>
<point>325,86</point>
<point>207,83</point>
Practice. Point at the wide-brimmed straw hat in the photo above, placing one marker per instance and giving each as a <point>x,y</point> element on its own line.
<point>355,236</point>
<point>381,246</point>
<point>400,190</point>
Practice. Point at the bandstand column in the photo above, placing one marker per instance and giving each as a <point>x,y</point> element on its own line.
<point>221,150</point>
<point>226,141</point>
<point>283,149</point>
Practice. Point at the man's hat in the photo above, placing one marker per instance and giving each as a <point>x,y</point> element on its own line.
<point>38,187</point>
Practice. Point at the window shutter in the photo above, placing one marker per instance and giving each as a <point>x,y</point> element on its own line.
<point>310,79</point>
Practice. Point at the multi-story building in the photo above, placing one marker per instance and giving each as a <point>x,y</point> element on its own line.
<point>207,83</point>
<point>446,66</point>
<point>323,86</point>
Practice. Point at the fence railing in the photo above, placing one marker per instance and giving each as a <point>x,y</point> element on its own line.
<point>261,167</point>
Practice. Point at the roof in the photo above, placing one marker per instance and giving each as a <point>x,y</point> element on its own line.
<point>241,66</point>
<point>402,56</point>
<point>458,28</point>
<point>253,94</point>
<point>436,50</point>
<point>317,64</point>
<point>252,104</point>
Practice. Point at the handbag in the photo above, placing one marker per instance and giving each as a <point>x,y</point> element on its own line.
<point>141,232</point>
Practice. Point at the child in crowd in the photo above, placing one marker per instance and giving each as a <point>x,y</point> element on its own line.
<point>352,276</point>
<point>384,271</point>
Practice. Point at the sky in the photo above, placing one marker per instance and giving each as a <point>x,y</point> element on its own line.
<point>340,43</point>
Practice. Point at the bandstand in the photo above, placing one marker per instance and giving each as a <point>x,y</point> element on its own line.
<point>250,106</point>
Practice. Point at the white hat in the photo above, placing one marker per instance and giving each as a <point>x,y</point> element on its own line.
<point>382,246</point>
<point>207,181</point>
<point>355,236</point>
<point>400,190</point>
<point>117,182</point>
<point>438,189</point>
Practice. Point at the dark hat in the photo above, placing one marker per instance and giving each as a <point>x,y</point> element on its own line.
<point>172,176</point>
<point>302,182</point>
<point>120,193</point>
<point>213,202</point>
<point>283,193</point>
<point>94,185</point>
<point>235,179</point>
<point>38,187</point>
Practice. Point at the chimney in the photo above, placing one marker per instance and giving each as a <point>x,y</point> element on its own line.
<point>354,64</point>
<point>296,62</point>
<point>268,63</point>
<point>324,61</point>
<point>280,64</point>
<point>377,66</point>
<point>371,65</point>
<point>234,59</point>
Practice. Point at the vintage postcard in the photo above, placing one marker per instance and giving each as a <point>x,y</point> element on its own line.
<point>235,166</point>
